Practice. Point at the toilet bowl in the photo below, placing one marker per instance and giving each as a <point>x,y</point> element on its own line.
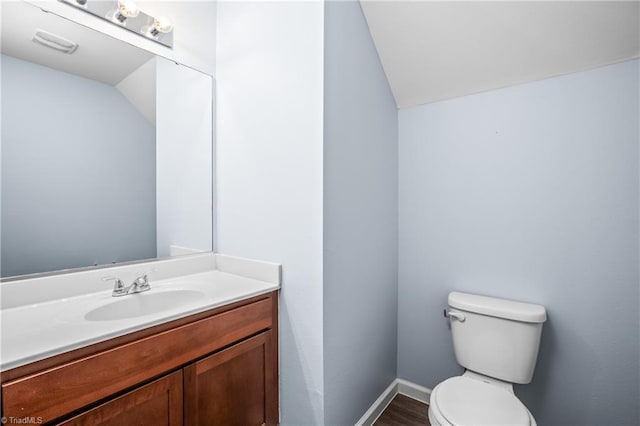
<point>497,342</point>
<point>467,400</point>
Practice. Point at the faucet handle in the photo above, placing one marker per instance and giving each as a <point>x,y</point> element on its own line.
<point>145,275</point>
<point>118,286</point>
<point>143,280</point>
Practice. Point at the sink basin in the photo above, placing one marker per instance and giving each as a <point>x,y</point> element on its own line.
<point>140,304</point>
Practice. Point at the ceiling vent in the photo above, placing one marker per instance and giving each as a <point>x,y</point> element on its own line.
<point>55,42</point>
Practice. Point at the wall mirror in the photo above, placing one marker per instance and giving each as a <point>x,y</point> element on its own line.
<point>106,149</point>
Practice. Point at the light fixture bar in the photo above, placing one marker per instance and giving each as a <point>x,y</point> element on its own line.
<point>125,14</point>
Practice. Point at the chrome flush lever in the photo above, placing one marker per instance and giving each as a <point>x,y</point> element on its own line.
<point>457,315</point>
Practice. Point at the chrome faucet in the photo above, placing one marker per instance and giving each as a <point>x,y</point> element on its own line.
<point>138,285</point>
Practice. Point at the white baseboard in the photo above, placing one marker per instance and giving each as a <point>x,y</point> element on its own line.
<point>414,391</point>
<point>379,405</point>
<point>398,386</point>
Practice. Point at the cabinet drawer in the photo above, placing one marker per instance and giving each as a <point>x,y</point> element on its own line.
<point>60,390</point>
<point>158,403</point>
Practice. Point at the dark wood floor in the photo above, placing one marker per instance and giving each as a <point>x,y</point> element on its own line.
<point>404,411</point>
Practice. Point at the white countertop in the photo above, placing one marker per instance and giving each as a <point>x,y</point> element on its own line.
<point>31,332</point>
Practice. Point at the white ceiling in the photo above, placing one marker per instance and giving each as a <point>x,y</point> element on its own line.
<point>434,50</point>
<point>98,57</point>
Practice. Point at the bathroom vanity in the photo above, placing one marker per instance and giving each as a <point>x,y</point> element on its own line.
<point>210,360</point>
<point>122,194</point>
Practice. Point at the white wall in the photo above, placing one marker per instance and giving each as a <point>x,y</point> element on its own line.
<point>529,193</point>
<point>194,33</point>
<point>360,218</point>
<point>269,173</point>
<point>184,158</point>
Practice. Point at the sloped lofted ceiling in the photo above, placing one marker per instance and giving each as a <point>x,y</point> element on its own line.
<point>435,50</point>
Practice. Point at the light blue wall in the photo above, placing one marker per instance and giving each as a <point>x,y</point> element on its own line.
<point>529,193</point>
<point>78,172</point>
<point>360,218</point>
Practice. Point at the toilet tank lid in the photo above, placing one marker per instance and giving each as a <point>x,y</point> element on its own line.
<point>501,308</point>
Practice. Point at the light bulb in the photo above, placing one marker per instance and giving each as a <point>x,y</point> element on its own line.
<point>126,9</point>
<point>163,25</point>
<point>160,25</point>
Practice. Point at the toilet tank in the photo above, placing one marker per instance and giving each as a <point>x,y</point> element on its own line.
<point>496,337</point>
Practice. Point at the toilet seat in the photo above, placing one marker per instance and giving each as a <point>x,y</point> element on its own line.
<point>466,401</point>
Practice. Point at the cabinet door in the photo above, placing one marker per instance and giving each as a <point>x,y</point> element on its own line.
<point>157,403</point>
<point>234,387</point>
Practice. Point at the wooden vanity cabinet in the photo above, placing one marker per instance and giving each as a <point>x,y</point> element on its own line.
<point>218,367</point>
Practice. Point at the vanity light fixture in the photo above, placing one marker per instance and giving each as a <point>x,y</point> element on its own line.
<point>126,14</point>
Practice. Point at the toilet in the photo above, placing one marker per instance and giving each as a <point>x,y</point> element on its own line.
<point>496,341</point>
